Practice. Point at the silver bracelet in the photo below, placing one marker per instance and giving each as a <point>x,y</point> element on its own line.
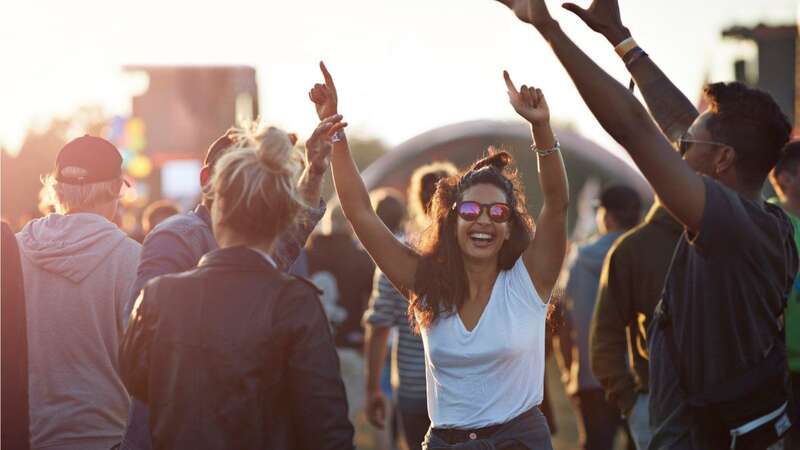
<point>542,152</point>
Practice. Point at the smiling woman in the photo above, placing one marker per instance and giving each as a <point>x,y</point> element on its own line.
<point>441,282</point>
<point>479,281</point>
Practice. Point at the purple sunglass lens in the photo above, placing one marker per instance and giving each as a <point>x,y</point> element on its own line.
<point>469,210</point>
<point>499,212</point>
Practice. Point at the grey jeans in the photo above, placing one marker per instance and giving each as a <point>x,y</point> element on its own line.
<point>639,422</point>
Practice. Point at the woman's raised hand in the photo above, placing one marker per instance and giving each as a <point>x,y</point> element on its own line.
<point>528,102</point>
<point>324,95</point>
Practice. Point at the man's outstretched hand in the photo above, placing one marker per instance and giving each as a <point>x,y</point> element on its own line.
<point>603,17</point>
<point>324,95</point>
<point>533,12</point>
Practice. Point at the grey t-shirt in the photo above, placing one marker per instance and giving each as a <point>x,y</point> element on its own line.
<point>725,291</point>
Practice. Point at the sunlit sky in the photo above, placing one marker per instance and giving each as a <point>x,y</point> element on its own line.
<point>402,67</point>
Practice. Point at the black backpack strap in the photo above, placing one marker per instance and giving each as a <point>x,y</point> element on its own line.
<point>665,324</point>
<point>772,367</point>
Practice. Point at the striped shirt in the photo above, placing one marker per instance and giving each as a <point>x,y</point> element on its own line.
<point>388,308</point>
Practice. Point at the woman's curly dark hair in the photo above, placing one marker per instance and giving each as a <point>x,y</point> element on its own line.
<point>440,284</point>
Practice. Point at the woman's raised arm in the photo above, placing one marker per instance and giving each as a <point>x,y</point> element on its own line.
<point>395,259</point>
<point>545,255</point>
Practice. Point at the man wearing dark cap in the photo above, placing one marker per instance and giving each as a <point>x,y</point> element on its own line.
<point>177,244</point>
<point>598,421</point>
<point>78,270</point>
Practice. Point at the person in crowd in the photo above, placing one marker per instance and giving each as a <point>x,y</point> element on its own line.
<point>479,282</point>
<point>420,191</point>
<point>785,179</point>
<point>391,208</point>
<point>618,210</point>
<point>157,212</point>
<point>182,239</point>
<point>630,286</point>
<point>343,271</point>
<point>253,340</point>
<point>78,270</point>
<point>389,309</point>
<point>716,352</point>
<point>15,432</point>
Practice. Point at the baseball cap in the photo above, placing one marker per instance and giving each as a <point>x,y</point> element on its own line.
<point>218,147</point>
<point>98,158</point>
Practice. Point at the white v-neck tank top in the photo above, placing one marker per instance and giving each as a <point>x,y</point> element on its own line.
<point>495,372</point>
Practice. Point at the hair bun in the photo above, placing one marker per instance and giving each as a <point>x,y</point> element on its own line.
<point>275,150</point>
<point>497,158</point>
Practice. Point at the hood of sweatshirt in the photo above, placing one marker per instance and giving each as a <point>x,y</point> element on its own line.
<point>591,256</point>
<point>70,245</point>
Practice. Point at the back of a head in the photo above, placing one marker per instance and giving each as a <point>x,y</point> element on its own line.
<point>750,121</point>
<point>87,176</point>
<point>388,204</point>
<point>256,186</point>
<point>790,158</point>
<point>423,186</point>
<point>788,164</point>
<point>157,212</point>
<point>624,203</point>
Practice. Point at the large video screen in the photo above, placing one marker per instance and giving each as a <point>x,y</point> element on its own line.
<point>180,179</point>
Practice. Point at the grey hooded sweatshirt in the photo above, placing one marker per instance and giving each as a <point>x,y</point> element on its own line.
<point>78,271</point>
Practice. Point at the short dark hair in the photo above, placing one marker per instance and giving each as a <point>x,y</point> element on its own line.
<point>790,158</point>
<point>752,123</point>
<point>389,206</point>
<point>623,203</point>
<point>423,186</point>
<point>157,211</point>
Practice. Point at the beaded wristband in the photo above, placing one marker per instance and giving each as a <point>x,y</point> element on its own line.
<point>542,152</point>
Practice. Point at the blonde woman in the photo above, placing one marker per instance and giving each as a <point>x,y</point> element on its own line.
<point>235,353</point>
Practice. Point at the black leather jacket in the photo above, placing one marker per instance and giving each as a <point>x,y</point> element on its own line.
<point>235,355</point>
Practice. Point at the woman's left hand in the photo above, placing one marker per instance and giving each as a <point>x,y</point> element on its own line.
<point>528,102</point>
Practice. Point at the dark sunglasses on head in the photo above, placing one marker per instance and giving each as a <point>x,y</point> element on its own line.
<point>470,211</point>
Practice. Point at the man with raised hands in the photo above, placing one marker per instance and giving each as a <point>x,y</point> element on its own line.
<point>717,359</point>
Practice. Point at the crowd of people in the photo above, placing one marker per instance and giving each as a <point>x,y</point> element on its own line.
<point>681,330</point>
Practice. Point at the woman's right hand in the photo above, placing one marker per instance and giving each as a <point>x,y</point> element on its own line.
<point>528,102</point>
